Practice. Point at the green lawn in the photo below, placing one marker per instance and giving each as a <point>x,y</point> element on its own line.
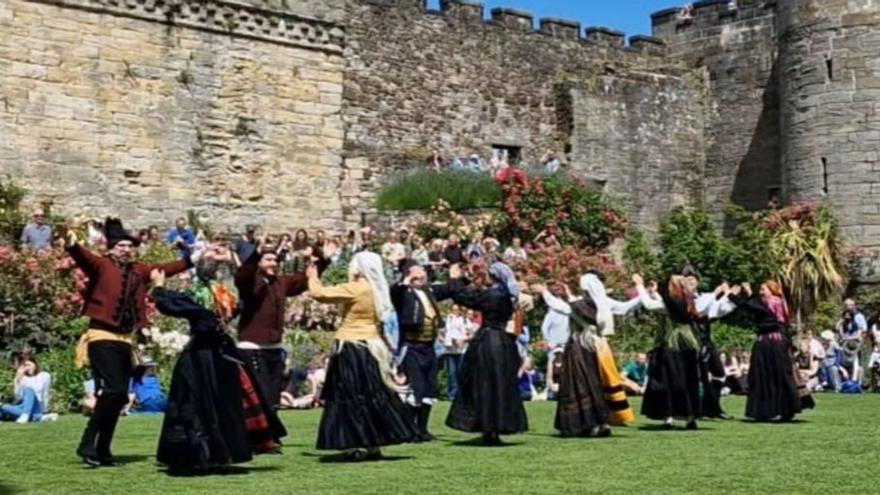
<point>833,449</point>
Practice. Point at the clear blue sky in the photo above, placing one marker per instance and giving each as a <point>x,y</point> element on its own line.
<point>630,16</point>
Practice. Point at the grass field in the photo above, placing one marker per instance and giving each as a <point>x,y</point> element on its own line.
<point>832,449</point>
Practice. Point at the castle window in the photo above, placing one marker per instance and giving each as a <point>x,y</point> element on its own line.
<point>512,153</point>
<point>774,195</point>
<point>824,175</point>
<point>829,67</point>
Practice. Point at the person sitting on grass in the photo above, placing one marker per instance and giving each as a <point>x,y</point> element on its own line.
<point>146,396</point>
<point>528,380</point>
<point>635,375</point>
<point>89,397</point>
<point>32,388</point>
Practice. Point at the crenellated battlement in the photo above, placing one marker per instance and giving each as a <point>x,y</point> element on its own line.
<point>707,15</point>
<point>472,14</point>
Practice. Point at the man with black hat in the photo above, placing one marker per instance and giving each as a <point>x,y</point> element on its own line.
<point>419,320</point>
<point>711,306</point>
<point>263,293</point>
<point>115,301</point>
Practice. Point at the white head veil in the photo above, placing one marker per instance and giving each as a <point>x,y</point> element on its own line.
<point>591,284</point>
<point>369,265</point>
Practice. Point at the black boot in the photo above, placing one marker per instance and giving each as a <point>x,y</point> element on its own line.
<point>424,416</point>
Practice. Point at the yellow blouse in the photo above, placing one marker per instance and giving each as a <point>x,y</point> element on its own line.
<point>359,320</point>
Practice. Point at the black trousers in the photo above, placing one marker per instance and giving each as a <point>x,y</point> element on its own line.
<point>112,366</point>
<point>710,364</point>
<point>420,366</point>
<point>268,366</point>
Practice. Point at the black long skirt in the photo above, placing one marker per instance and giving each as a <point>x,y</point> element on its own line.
<point>772,387</point>
<point>213,417</point>
<point>673,389</point>
<point>489,400</point>
<point>580,404</point>
<point>360,410</point>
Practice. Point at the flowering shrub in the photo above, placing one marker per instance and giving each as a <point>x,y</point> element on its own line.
<point>40,293</point>
<point>577,215</point>
<point>442,221</point>
<point>567,264</point>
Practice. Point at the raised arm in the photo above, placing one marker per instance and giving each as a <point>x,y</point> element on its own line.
<point>555,303</point>
<point>713,306</point>
<point>649,301</point>
<point>336,294</point>
<point>246,274</point>
<point>178,304</point>
<point>86,260</point>
<point>173,268</point>
<point>623,308</point>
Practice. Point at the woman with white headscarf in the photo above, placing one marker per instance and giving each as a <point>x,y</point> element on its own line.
<point>595,295</point>
<point>362,409</point>
<point>489,401</point>
<point>591,393</point>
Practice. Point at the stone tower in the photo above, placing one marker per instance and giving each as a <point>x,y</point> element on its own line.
<point>829,68</point>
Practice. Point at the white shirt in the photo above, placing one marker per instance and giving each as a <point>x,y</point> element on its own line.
<point>455,333</point>
<point>41,384</point>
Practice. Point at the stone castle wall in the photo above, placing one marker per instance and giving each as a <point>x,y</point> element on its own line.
<point>419,79</point>
<point>830,56</point>
<point>149,109</point>
<point>738,49</point>
<point>295,111</point>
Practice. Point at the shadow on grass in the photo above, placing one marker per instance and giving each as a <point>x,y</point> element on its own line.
<point>478,442</point>
<point>750,421</point>
<point>219,471</point>
<point>343,458</point>
<point>676,429</point>
<point>7,489</point>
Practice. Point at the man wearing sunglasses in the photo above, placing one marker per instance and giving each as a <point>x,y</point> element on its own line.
<point>37,236</point>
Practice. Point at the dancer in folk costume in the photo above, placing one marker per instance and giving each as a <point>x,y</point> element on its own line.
<point>115,302</point>
<point>489,401</point>
<point>216,414</point>
<point>773,381</point>
<point>362,409</point>
<point>263,292</point>
<point>419,318</point>
<point>673,389</point>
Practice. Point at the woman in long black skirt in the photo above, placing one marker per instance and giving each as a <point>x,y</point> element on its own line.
<point>362,409</point>
<point>673,388</point>
<point>489,401</point>
<point>773,390</point>
<point>215,415</point>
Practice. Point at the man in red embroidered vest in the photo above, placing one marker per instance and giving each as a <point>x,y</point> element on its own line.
<point>115,302</point>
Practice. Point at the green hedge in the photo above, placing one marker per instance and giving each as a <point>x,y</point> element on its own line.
<point>422,189</point>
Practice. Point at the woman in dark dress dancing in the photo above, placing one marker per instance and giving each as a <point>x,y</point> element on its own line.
<point>773,388</point>
<point>489,401</point>
<point>215,415</point>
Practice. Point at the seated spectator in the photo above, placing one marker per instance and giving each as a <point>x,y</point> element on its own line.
<point>453,253</point>
<point>804,364</point>
<point>436,259</point>
<point>554,373</point>
<point>734,381</point>
<point>292,399</point>
<point>475,249</point>
<point>37,236</point>
<point>393,250</point>
<point>475,163</point>
<point>516,251</point>
<point>528,380</point>
<point>850,370</point>
<point>32,388</point>
<point>181,236</point>
<point>550,162</point>
<point>830,372</point>
<point>732,5</point>
<point>635,375</point>
<point>435,163</point>
<point>146,396</point>
<point>246,245</point>
<point>89,397</point>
